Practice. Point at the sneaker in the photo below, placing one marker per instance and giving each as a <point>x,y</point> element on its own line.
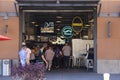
<point>48,69</point>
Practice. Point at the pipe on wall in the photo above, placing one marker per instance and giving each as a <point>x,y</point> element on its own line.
<point>109,29</point>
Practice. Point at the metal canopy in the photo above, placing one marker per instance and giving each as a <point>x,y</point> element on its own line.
<point>57,2</point>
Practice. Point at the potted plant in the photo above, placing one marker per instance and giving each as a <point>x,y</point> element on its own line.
<point>29,72</point>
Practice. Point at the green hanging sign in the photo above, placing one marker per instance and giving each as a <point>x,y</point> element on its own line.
<point>67,32</point>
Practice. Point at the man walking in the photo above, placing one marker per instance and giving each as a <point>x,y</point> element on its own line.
<point>66,55</point>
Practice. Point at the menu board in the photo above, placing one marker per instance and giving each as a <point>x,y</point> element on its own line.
<point>48,27</point>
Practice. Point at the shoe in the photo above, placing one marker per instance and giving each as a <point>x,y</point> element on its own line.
<point>48,69</point>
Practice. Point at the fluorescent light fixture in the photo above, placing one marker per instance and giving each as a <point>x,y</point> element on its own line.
<point>33,22</point>
<point>38,36</point>
<point>36,25</point>
<point>58,29</point>
<point>58,1</point>
<point>58,21</point>
<point>85,37</point>
<point>59,17</point>
<point>87,25</point>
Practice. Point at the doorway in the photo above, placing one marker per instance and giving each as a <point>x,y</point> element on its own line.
<point>45,26</point>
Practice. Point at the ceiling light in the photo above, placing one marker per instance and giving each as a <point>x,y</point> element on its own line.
<point>58,21</point>
<point>58,29</point>
<point>58,1</point>
<point>33,22</point>
<point>85,37</point>
<point>59,17</point>
<point>92,20</point>
<point>36,25</point>
<point>87,25</point>
<point>38,36</point>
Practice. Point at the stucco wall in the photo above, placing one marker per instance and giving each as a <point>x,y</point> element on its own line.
<point>108,48</point>
<point>9,49</point>
<point>7,6</point>
<point>110,6</point>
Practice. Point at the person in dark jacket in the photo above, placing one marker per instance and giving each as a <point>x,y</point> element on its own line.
<point>41,58</point>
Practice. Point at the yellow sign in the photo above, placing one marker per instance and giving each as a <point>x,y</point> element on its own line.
<point>77,24</point>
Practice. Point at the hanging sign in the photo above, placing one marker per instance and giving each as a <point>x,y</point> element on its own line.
<point>67,32</point>
<point>77,24</point>
<point>48,27</point>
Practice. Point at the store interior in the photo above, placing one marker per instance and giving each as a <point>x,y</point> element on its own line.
<point>46,27</point>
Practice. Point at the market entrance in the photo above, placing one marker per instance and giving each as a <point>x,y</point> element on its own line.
<point>46,23</point>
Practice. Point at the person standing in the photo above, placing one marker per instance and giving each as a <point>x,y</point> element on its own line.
<point>57,57</point>
<point>28,53</point>
<point>49,54</point>
<point>23,55</point>
<point>32,56</point>
<point>37,49</point>
<point>66,55</point>
<point>41,58</point>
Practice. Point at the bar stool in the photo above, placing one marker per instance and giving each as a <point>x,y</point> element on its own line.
<point>89,64</point>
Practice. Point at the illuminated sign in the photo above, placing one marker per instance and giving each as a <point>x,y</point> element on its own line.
<point>67,32</point>
<point>77,24</point>
<point>48,27</point>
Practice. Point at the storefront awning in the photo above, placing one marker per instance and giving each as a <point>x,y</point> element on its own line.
<point>2,38</point>
<point>57,2</point>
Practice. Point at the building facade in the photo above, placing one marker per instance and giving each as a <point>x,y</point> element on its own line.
<point>107,35</point>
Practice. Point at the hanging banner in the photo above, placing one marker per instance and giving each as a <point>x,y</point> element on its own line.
<point>67,32</point>
<point>77,24</point>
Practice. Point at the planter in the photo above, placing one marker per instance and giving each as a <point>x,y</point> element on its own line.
<point>29,72</point>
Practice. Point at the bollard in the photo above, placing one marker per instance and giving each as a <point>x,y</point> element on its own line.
<point>106,76</point>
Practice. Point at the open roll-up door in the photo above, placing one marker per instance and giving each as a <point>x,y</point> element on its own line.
<point>56,4</point>
<point>59,6</point>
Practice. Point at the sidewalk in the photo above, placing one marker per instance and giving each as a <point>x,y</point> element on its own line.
<point>5,78</point>
<point>72,75</point>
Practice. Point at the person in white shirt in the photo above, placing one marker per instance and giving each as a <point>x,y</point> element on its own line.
<point>22,55</point>
<point>28,53</point>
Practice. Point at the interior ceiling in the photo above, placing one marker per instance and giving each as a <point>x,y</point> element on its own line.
<point>41,17</point>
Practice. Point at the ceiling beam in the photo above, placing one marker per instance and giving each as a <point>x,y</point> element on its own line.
<point>47,5</point>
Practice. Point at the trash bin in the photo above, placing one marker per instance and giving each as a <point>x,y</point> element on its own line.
<point>6,67</point>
